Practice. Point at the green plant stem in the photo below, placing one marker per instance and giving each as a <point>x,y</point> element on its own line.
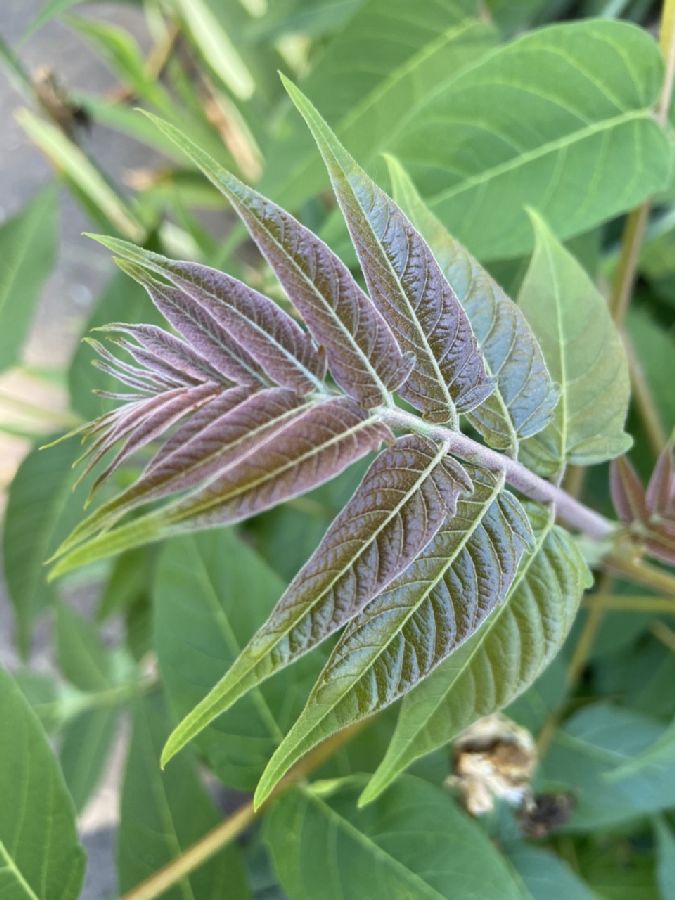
<point>638,603</point>
<point>644,401</point>
<point>230,829</point>
<point>570,511</point>
<point>642,573</point>
<point>663,633</point>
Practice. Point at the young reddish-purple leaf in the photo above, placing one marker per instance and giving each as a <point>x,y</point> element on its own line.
<point>661,488</point>
<point>661,542</point>
<point>423,616</point>
<point>275,340</point>
<point>406,284</point>
<point>315,445</point>
<point>628,493</point>
<point>168,354</point>
<point>361,351</point>
<point>404,498</point>
<point>141,426</point>
<point>217,440</point>
<point>199,328</point>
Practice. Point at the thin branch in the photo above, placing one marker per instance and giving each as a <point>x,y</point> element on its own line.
<point>570,511</point>
<point>230,829</point>
<point>663,633</point>
<point>642,573</point>
<point>651,418</point>
<point>638,603</point>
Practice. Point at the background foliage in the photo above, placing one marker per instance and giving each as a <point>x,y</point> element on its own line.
<point>492,109</point>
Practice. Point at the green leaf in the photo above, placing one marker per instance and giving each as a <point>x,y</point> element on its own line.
<point>413,843</point>
<point>665,871</point>
<point>545,876</point>
<point>164,814</point>
<point>585,355</point>
<point>40,857</point>
<point>385,61</point>
<point>560,119</point>
<point>655,348</point>
<point>28,251</point>
<point>583,146</point>
<point>215,45</point>
<point>83,174</point>
<point>501,660</point>
<point>50,10</point>
<point>525,396</point>
<point>85,748</point>
<point>586,751</point>
<point>405,284</point>
<point>41,510</point>
<point>404,499</point>
<point>420,619</point>
<point>659,755</point>
<point>81,656</point>
<point>211,591</point>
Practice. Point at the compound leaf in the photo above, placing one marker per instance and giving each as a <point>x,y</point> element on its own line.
<point>419,620</point>
<point>501,660</point>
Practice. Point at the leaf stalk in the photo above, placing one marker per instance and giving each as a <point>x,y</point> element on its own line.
<point>570,511</point>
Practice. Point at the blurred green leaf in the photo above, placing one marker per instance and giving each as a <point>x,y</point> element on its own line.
<point>81,657</point>
<point>211,593</point>
<point>655,348</point>
<point>665,867</point>
<point>585,356</point>
<point>381,68</point>
<point>164,813</point>
<point>40,856</point>
<point>28,252</point>
<point>414,842</point>
<point>559,119</point>
<point>83,175</point>
<point>588,748</point>
<point>85,748</point>
<point>545,876</point>
<point>41,509</point>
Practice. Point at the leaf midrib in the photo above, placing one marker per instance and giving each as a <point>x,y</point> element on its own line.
<point>387,84</point>
<point>370,845</point>
<point>16,872</point>
<point>540,151</point>
<point>231,639</point>
<point>178,516</point>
